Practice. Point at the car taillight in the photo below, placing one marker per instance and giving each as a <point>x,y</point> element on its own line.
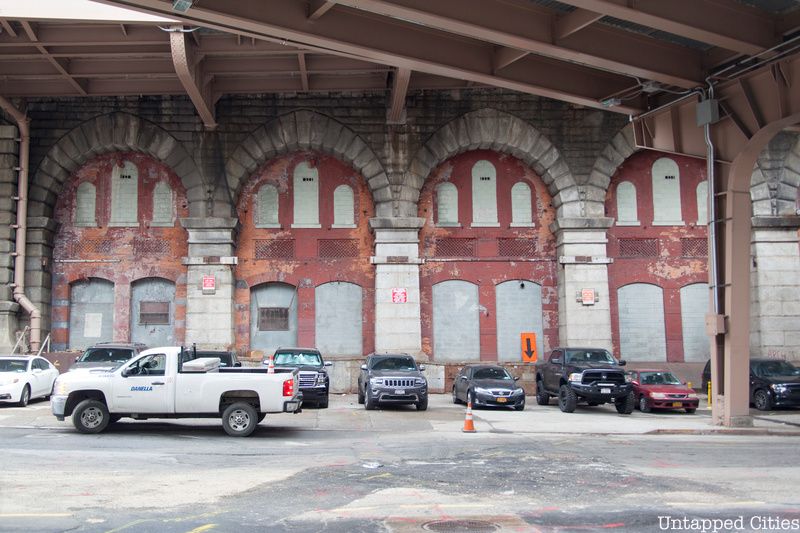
<point>288,387</point>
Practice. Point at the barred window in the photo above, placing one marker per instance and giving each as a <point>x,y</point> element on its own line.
<point>154,313</point>
<point>273,319</point>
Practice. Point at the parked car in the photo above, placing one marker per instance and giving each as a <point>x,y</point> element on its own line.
<point>392,378</point>
<point>590,375</point>
<point>773,383</point>
<point>313,379</point>
<point>484,385</point>
<point>660,389</point>
<point>25,377</point>
<point>107,355</point>
<point>226,359</point>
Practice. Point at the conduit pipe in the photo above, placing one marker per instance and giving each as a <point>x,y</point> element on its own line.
<point>23,123</point>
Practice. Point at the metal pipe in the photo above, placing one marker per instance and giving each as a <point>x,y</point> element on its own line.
<point>23,123</point>
<point>712,204</point>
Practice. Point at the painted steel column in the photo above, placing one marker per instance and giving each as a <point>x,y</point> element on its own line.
<point>397,321</point>
<point>583,264</point>
<point>8,188</point>
<point>209,314</point>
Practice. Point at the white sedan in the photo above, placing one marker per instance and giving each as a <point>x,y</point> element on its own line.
<point>24,377</point>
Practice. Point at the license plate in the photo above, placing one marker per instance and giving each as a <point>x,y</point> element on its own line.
<point>605,391</point>
<point>502,400</point>
<point>399,391</point>
<point>677,404</point>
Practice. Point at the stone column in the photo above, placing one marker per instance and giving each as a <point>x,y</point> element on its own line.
<point>775,293</point>
<point>396,260</point>
<point>209,314</point>
<point>8,188</point>
<point>583,264</point>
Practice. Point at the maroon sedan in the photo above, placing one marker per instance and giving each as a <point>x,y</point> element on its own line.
<point>660,389</point>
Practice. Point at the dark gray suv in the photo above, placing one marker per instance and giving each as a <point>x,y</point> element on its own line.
<point>392,378</point>
<point>107,355</point>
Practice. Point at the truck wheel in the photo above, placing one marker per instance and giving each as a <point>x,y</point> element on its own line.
<point>369,402</point>
<point>239,419</point>
<point>323,403</point>
<point>91,416</point>
<point>422,405</point>
<point>644,406</point>
<point>567,399</point>
<point>542,398</point>
<point>626,405</point>
<point>360,396</point>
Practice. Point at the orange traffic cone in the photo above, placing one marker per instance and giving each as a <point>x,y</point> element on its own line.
<point>469,425</point>
<point>271,365</point>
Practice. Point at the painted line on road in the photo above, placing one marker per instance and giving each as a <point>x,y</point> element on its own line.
<point>203,528</point>
<point>34,515</point>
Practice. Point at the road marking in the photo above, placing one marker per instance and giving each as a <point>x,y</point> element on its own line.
<point>34,515</point>
<point>203,528</point>
<point>387,474</point>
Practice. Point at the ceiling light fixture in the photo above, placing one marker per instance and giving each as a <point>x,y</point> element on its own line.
<point>181,6</point>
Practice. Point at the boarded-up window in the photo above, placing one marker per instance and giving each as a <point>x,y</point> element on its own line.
<point>521,209</point>
<point>642,334</point>
<point>343,207</point>
<point>266,211</point>
<point>273,318</point>
<point>162,206</point>
<point>627,208</point>
<point>484,195</point>
<point>666,193</point>
<point>694,306</point>
<point>155,313</point>
<point>124,195</point>
<point>306,196</point>
<point>702,203</point>
<point>446,205</point>
<point>85,205</point>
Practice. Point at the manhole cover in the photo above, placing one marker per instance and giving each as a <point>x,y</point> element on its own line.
<point>457,526</point>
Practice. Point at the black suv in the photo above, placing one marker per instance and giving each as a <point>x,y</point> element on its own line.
<point>312,377</point>
<point>107,355</point>
<point>773,383</point>
<point>392,378</point>
<point>592,375</point>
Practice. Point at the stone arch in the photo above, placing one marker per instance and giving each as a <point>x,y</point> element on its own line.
<point>109,133</point>
<point>300,130</point>
<point>502,132</point>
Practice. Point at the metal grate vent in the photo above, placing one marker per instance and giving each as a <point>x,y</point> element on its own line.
<point>452,247</point>
<point>274,249</point>
<point>91,246</point>
<point>333,248</point>
<point>150,247</point>
<point>694,247</point>
<point>638,248</point>
<point>516,247</point>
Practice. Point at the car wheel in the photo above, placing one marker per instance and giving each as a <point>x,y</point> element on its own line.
<point>90,416</point>
<point>25,397</point>
<point>644,405</point>
<point>369,401</point>
<point>422,405</point>
<point>690,411</point>
<point>626,405</point>
<point>240,419</point>
<point>471,396</point>
<point>455,397</point>
<point>520,406</point>
<point>567,399</point>
<point>542,398</point>
<point>323,403</point>
<point>360,396</point>
<point>762,400</point>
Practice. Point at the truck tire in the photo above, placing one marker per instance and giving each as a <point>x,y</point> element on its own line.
<point>239,419</point>
<point>542,398</point>
<point>360,396</point>
<point>422,405</point>
<point>567,399</point>
<point>626,405</point>
<point>91,416</point>
<point>323,403</point>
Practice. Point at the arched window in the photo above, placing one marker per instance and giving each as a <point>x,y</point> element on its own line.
<point>306,196</point>
<point>85,205</point>
<point>124,195</point>
<point>343,207</point>
<point>521,209</point>
<point>484,195</point>
<point>642,330</point>
<point>666,193</point>
<point>338,318</point>
<point>91,312</point>
<point>273,316</point>
<point>447,205</point>
<point>694,306</point>
<point>456,321</point>
<point>702,203</point>
<point>266,211</point>
<point>627,209</point>
<point>163,210</point>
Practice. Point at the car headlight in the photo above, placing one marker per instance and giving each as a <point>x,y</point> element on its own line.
<point>9,381</point>
<point>376,381</point>
<point>778,387</point>
<point>692,396</point>
<point>420,382</point>
<point>517,392</point>
<point>60,388</point>
<point>658,395</point>
<point>320,379</point>
<point>628,378</point>
<point>576,376</point>
<point>480,390</point>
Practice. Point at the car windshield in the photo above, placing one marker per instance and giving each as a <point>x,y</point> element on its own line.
<point>492,373</point>
<point>298,359</point>
<point>13,365</point>
<point>590,356</point>
<point>106,355</point>
<point>394,363</point>
<point>658,378</point>
<point>769,369</point>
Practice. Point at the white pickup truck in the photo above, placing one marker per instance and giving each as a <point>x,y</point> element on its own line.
<point>168,383</point>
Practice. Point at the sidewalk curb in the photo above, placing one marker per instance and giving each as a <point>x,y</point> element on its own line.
<point>738,432</point>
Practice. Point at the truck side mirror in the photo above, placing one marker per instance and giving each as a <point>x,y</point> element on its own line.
<point>328,363</point>
<point>76,359</point>
<point>124,373</point>
<point>238,363</point>
<point>516,378</point>
<point>421,368</point>
<point>556,361</point>
<point>622,362</point>
<point>363,367</point>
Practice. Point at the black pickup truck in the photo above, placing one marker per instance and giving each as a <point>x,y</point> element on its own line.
<point>590,375</point>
